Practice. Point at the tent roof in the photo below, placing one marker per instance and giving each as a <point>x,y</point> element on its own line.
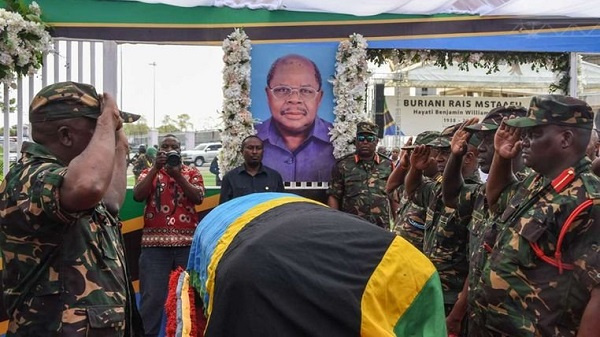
<point>160,23</point>
<point>523,77</point>
<point>573,8</point>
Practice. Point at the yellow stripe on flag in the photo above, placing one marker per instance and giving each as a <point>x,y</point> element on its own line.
<point>394,284</point>
<point>233,230</point>
<point>185,306</point>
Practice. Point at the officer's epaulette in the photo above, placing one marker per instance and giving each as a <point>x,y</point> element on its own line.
<point>563,180</point>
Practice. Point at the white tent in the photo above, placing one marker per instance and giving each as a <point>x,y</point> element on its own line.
<point>519,77</point>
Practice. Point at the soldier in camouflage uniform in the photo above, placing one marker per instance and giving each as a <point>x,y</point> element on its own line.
<point>445,238</point>
<point>543,272</point>
<point>410,220</point>
<point>358,180</point>
<point>64,266</point>
<point>140,161</point>
<point>470,198</point>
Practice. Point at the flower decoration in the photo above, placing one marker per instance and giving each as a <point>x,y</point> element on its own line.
<point>24,40</point>
<point>237,119</point>
<point>555,62</point>
<point>349,88</point>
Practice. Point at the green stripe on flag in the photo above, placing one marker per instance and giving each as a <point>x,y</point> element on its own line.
<point>425,316</point>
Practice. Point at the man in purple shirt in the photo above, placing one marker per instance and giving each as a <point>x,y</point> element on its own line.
<point>296,142</point>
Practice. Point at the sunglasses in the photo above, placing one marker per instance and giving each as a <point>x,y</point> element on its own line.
<point>368,138</point>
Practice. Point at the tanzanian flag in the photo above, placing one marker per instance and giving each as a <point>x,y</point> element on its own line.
<point>275,264</point>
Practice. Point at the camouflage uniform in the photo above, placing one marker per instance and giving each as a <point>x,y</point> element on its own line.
<point>471,200</point>
<point>446,236</point>
<point>482,233</point>
<point>410,221</point>
<point>359,185</point>
<point>140,163</point>
<point>64,273</point>
<point>524,290</point>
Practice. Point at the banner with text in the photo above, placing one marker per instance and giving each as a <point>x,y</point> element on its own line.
<point>417,114</point>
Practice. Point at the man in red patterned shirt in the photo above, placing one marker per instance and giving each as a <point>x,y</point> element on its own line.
<point>171,190</point>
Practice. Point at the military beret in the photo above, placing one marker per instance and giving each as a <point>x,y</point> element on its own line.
<point>492,120</point>
<point>423,138</point>
<point>556,109</point>
<point>69,100</point>
<point>367,127</point>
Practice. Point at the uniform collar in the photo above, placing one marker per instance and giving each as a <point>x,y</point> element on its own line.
<point>375,158</point>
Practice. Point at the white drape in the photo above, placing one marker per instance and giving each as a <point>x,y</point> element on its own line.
<point>571,8</point>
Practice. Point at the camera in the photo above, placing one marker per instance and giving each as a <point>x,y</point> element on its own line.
<point>173,158</point>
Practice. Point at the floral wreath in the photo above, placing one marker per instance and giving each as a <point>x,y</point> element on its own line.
<point>349,88</point>
<point>236,99</point>
<point>23,41</point>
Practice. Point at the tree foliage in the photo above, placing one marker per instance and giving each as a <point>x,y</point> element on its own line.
<point>138,128</point>
<point>183,122</point>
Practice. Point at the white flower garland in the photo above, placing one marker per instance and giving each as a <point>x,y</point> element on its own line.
<point>23,43</point>
<point>237,119</point>
<point>349,89</point>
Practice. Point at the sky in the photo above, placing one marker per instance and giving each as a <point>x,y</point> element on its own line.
<point>188,80</point>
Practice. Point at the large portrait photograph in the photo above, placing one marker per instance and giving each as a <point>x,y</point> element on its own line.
<point>292,103</point>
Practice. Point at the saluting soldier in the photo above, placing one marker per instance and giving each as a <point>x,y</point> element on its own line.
<point>470,198</point>
<point>542,275</point>
<point>445,237</point>
<point>410,220</point>
<point>358,180</point>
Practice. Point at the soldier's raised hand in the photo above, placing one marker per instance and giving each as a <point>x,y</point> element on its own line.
<point>458,144</point>
<point>405,154</point>
<point>420,157</point>
<point>507,141</point>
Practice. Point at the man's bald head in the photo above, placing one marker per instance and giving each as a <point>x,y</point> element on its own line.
<point>292,59</point>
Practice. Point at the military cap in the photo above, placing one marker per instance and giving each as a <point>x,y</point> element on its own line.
<point>443,140</point>
<point>423,138</point>
<point>367,127</point>
<point>492,120</point>
<point>556,109</point>
<point>69,100</point>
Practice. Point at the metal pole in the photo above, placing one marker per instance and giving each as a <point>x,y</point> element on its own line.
<point>574,81</point>
<point>153,64</point>
<point>6,142</point>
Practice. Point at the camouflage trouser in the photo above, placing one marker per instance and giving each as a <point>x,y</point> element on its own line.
<point>92,321</point>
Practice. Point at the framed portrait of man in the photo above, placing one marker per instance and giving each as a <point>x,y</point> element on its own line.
<point>292,101</point>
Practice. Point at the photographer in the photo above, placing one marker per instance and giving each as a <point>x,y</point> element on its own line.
<point>171,190</point>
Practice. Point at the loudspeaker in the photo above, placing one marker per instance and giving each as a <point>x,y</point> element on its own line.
<point>379,98</point>
<point>379,108</point>
<point>379,120</point>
